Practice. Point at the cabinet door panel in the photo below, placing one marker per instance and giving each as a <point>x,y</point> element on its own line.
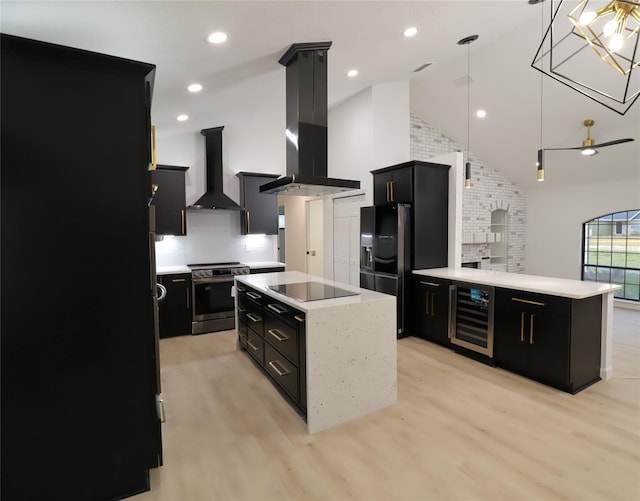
<point>174,310</point>
<point>548,347</point>
<point>381,189</point>
<point>401,187</point>
<point>169,201</point>
<point>260,215</point>
<point>510,347</point>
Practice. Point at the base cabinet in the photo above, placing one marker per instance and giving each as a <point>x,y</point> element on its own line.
<point>550,339</point>
<point>174,310</point>
<point>273,334</point>
<point>429,309</point>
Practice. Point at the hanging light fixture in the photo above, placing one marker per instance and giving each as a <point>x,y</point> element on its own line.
<point>611,29</point>
<point>467,166</point>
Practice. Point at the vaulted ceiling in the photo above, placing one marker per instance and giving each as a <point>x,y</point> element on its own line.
<point>242,76</point>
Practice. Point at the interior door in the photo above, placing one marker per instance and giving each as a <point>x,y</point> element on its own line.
<point>346,239</point>
<point>315,237</point>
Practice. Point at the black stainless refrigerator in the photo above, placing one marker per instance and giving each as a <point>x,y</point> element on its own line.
<point>385,252</point>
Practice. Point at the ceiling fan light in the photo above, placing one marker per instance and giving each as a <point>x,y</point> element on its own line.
<point>587,152</point>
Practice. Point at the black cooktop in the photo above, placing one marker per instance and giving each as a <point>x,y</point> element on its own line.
<point>311,291</point>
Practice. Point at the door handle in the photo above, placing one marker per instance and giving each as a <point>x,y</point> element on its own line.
<point>248,222</point>
<point>393,195</point>
<point>182,229</point>
<point>522,314</point>
<point>427,303</point>
<point>531,329</point>
<point>433,304</point>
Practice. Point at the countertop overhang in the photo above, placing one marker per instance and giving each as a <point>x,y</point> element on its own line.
<point>574,289</point>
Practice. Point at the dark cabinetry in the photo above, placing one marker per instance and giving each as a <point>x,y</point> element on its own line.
<point>425,186</point>
<point>260,210</point>
<point>553,340</point>
<point>429,309</point>
<point>175,309</point>
<point>392,187</point>
<point>170,199</point>
<point>273,333</point>
<point>270,269</point>
<point>79,369</point>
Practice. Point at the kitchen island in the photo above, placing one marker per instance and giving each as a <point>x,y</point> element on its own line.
<point>554,330</point>
<point>334,359</point>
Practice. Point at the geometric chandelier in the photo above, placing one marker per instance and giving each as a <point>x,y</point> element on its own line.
<point>592,47</point>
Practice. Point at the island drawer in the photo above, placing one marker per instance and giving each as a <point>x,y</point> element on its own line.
<point>255,347</point>
<point>255,318</point>
<point>284,312</point>
<point>281,370</point>
<point>282,336</point>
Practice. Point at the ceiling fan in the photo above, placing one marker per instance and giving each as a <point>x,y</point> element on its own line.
<point>588,147</point>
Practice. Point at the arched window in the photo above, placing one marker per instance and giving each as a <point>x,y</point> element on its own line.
<point>611,252</point>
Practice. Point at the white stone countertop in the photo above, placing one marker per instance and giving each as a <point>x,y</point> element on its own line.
<point>262,264</point>
<point>170,270</point>
<point>574,289</point>
<point>263,280</point>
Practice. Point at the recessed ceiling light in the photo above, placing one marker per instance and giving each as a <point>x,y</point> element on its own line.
<point>195,87</point>
<point>352,73</point>
<point>217,37</point>
<point>481,113</point>
<point>411,31</point>
<point>182,118</point>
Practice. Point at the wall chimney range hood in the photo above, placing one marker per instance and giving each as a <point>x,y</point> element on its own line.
<point>306,134</point>
<point>214,198</point>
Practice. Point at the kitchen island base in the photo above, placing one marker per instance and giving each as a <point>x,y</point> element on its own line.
<point>335,359</point>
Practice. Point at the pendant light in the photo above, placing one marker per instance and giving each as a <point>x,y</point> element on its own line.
<point>467,166</point>
<point>540,162</point>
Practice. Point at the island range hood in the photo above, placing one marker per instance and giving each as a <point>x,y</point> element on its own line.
<point>214,198</point>
<point>306,134</point>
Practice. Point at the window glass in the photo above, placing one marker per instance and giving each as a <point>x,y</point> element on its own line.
<point>612,251</point>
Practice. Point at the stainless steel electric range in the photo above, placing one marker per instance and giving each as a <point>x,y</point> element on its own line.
<point>213,303</point>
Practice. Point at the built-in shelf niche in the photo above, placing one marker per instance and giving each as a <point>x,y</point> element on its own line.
<point>498,244</point>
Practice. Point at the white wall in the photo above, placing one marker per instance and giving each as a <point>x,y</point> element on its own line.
<point>295,232</point>
<point>369,131</point>
<point>255,145</point>
<point>555,219</point>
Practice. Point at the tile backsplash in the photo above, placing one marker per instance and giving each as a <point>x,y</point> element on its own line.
<point>213,236</point>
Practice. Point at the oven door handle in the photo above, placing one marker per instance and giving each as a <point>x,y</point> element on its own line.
<point>212,280</point>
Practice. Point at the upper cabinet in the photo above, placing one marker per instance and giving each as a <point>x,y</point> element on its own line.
<point>170,200</point>
<point>393,187</point>
<point>260,210</point>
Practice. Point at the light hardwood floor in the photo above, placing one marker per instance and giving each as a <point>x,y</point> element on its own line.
<point>460,430</point>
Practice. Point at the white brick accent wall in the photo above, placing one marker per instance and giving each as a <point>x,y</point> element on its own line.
<point>489,190</point>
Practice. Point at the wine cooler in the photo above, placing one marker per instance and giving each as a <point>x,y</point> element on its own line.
<point>472,317</point>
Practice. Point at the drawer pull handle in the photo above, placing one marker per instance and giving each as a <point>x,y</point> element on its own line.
<point>240,289</point>
<point>299,318</point>
<point>253,295</point>
<point>253,346</point>
<point>253,317</point>
<point>527,301</point>
<point>176,280</point>
<point>278,335</point>
<point>241,309</point>
<point>280,372</point>
<point>429,283</point>
<point>279,310</point>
